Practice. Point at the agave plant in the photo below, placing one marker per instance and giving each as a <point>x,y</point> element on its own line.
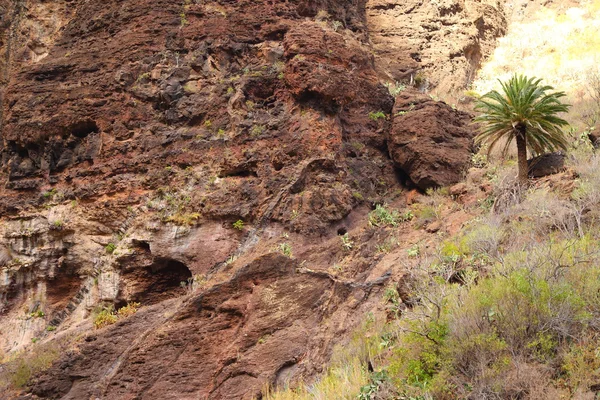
<point>527,112</point>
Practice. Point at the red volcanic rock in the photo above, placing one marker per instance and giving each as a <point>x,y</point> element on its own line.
<point>134,134</point>
<point>226,343</point>
<point>332,67</point>
<point>248,91</point>
<point>431,142</point>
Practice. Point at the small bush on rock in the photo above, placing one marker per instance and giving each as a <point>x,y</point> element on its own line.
<point>239,225</point>
<point>110,248</point>
<point>381,216</point>
<point>105,317</point>
<point>128,310</point>
<point>376,115</point>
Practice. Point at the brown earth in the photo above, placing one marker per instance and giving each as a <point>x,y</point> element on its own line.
<point>134,134</point>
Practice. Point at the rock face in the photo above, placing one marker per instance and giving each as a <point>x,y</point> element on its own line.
<point>430,141</point>
<point>135,134</point>
<point>441,44</point>
<point>224,344</point>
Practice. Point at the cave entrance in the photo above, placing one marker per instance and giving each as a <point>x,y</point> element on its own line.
<point>83,128</point>
<point>164,279</point>
<point>61,289</point>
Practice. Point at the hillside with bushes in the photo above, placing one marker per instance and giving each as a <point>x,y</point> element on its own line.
<point>286,200</point>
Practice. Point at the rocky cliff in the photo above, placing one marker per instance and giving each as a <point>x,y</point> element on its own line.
<point>135,134</point>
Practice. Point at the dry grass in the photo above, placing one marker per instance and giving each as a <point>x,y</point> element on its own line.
<point>566,55</point>
<point>17,371</point>
<point>341,382</point>
<point>348,371</point>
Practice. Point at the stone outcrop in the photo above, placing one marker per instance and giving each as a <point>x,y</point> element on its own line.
<point>433,46</point>
<point>440,44</point>
<point>430,141</point>
<point>261,326</point>
<point>546,164</point>
<point>135,134</point>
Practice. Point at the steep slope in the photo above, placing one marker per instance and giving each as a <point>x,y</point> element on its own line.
<point>135,134</point>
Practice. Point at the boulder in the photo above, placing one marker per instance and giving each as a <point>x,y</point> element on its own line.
<point>429,140</point>
<point>546,164</point>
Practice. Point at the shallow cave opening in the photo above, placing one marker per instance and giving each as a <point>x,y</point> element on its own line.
<point>83,128</point>
<point>317,101</point>
<point>61,290</point>
<point>164,279</point>
<point>404,179</point>
<point>141,244</point>
<point>278,165</point>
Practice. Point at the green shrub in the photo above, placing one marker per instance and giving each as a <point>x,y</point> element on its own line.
<point>377,115</point>
<point>463,339</point>
<point>49,194</point>
<point>395,88</point>
<point>381,216</point>
<point>110,248</point>
<point>358,196</point>
<point>239,225</point>
<point>285,249</point>
<point>370,390</point>
<point>413,251</point>
<point>257,130</point>
<point>128,310</point>
<point>347,243</point>
<point>106,316</point>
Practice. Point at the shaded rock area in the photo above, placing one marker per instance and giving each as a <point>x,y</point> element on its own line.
<point>546,164</point>
<point>430,141</point>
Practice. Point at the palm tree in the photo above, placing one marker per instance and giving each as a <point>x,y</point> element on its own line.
<point>525,112</point>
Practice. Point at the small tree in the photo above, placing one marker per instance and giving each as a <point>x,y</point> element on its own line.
<point>526,112</point>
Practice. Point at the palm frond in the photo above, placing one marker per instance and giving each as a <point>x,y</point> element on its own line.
<point>524,102</point>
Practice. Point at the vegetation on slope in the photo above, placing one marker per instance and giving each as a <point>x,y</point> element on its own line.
<point>525,112</point>
<point>509,308</point>
<point>565,55</point>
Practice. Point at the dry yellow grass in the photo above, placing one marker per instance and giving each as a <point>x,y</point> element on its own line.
<point>347,373</point>
<point>560,46</point>
<point>340,382</point>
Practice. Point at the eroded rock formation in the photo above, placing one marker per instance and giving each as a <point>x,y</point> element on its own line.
<point>134,134</point>
<point>441,44</point>
<point>430,141</point>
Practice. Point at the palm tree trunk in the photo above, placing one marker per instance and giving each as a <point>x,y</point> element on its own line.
<point>522,155</point>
